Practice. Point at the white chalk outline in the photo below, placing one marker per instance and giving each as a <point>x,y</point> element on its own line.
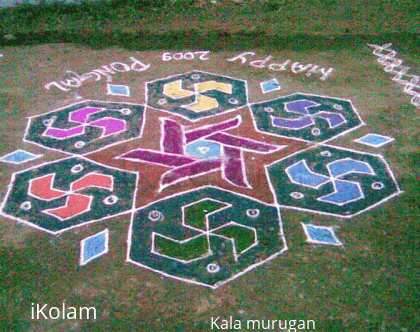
<point>310,239</point>
<point>109,91</point>
<point>34,156</point>
<point>390,62</point>
<point>391,174</point>
<point>278,147</point>
<point>82,247</point>
<point>274,80</point>
<point>192,72</point>
<point>69,193</point>
<point>185,178</point>
<point>236,255</point>
<point>331,179</point>
<point>339,178</point>
<point>282,238</point>
<point>29,193</point>
<point>311,116</point>
<point>310,172</point>
<point>75,154</point>
<point>32,225</point>
<point>389,140</point>
<point>207,233</point>
<point>84,125</point>
<point>207,137</point>
<point>90,197</point>
<point>243,169</point>
<point>361,124</point>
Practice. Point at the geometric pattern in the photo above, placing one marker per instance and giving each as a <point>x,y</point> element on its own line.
<point>306,117</point>
<point>86,126</point>
<point>192,153</point>
<point>19,157</point>
<point>94,246</point>
<point>320,235</point>
<point>68,193</point>
<point>205,236</point>
<point>197,94</point>
<point>345,191</point>
<point>397,67</point>
<point>331,180</point>
<point>374,140</point>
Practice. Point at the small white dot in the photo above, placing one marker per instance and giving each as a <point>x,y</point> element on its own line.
<point>253,213</point>
<point>110,200</point>
<point>213,268</point>
<point>126,111</point>
<point>79,144</point>
<point>297,195</point>
<point>377,185</point>
<point>77,168</point>
<point>26,206</point>
<point>155,215</point>
<point>316,131</point>
<point>326,153</point>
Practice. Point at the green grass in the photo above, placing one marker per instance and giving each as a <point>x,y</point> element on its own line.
<point>163,24</point>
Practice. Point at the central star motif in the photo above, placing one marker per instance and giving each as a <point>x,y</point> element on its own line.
<point>202,150</point>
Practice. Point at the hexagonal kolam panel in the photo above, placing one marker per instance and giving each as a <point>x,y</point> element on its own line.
<point>197,94</point>
<point>206,236</point>
<point>68,193</point>
<point>331,180</point>
<point>306,117</point>
<point>86,126</point>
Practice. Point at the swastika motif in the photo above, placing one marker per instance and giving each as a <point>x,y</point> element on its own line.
<point>68,193</point>
<point>307,117</point>
<point>197,94</point>
<point>206,236</point>
<point>195,152</point>
<point>86,126</point>
<point>331,180</point>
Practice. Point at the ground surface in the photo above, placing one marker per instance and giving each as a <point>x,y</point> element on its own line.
<point>370,283</point>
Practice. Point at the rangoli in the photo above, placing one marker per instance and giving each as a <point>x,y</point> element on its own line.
<point>209,234</point>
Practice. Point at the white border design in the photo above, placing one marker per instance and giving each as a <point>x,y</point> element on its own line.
<point>75,154</point>
<point>398,192</point>
<point>146,92</point>
<point>218,284</point>
<point>361,124</point>
<point>28,223</point>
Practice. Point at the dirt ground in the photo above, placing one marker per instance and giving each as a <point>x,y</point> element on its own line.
<point>370,283</point>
